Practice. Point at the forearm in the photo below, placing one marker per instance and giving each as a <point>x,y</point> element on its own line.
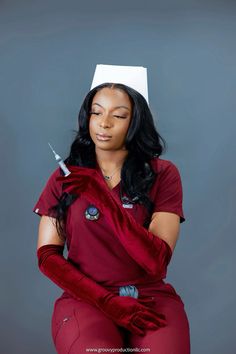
<point>125,311</point>
<point>148,250</point>
<point>63,273</point>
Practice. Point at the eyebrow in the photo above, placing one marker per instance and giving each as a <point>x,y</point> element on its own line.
<point>114,107</point>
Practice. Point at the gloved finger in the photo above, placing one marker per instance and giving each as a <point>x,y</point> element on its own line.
<point>141,320</point>
<point>136,329</point>
<point>151,311</point>
<point>156,318</point>
<point>138,321</point>
<point>152,326</point>
<point>80,171</point>
<point>149,301</point>
<point>147,323</point>
<point>74,188</point>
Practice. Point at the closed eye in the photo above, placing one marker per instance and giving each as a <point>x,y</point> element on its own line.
<point>113,116</point>
<point>94,113</point>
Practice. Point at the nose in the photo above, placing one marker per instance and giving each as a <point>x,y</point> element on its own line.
<point>105,122</point>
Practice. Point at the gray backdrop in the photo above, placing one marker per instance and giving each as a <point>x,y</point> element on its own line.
<point>48,53</point>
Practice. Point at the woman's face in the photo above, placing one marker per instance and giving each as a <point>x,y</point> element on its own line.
<point>110,117</point>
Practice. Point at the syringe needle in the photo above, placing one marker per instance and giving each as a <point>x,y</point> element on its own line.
<point>60,162</point>
<point>51,147</point>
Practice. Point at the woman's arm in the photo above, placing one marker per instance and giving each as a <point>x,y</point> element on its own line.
<point>166,225</point>
<point>47,233</point>
<point>123,310</point>
<point>151,252</point>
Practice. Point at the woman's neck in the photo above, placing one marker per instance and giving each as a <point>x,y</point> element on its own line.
<point>109,160</point>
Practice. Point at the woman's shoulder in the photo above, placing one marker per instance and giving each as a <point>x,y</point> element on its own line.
<point>50,194</point>
<point>162,165</point>
<point>167,191</point>
<point>51,180</point>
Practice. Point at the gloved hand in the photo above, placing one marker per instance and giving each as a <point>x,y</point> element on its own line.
<point>151,252</point>
<point>132,314</point>
<point>125,311</point>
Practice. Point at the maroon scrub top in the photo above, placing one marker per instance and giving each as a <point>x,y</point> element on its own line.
<point>92,245</point>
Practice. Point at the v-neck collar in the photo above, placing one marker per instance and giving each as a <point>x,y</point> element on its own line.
<point>100,172</point>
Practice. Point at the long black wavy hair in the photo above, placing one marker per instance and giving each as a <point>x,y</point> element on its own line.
<point>143,143</point>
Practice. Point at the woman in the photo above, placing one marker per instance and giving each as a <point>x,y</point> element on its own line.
<point>119,213</point>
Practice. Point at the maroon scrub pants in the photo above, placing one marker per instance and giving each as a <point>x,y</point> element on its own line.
<point>77,326</point>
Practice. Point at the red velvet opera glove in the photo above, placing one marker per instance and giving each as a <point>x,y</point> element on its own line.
<point>125,311</point>
<point>151,252</point>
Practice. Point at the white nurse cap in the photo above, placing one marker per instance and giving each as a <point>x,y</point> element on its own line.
<point>133,76</point>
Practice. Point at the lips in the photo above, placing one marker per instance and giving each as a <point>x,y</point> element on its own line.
<point>103,135</point>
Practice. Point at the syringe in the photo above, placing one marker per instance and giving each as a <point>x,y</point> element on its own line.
<point>60,162</point>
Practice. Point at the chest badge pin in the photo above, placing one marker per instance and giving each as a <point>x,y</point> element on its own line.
<point>92,213</point>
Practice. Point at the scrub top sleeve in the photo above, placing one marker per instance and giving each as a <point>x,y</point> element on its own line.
<point>49,196</point>
<point>169,192</point>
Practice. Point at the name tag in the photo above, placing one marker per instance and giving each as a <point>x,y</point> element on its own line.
<point>129,206</point>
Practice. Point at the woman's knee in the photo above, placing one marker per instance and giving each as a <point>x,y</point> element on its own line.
<point>64,326</point>
<point>77,326</point>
